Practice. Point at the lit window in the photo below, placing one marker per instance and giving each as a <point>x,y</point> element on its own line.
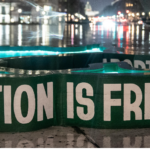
<point>127,5</point>
<point>37,8</point>
<point>59,9</point>
<point>46,8</point>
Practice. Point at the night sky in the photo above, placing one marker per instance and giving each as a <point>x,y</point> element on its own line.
<point>98,5</point>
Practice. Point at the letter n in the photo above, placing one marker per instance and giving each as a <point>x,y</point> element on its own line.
<point>45,101</point>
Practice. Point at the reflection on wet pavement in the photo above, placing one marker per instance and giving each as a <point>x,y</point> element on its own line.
<point>135,39</point>
<point>70,137</point>
<point>53,137</point>
<point>120,138</point>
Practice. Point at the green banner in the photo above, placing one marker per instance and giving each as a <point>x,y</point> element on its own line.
<point>73,98</point>
<point>108,97</point>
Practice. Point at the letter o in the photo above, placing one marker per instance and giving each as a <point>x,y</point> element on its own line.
<point>31,104</point>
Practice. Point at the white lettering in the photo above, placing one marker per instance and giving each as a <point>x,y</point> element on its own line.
<point>104,60</point>
<point>70,100</point>
<point>108,102</point>
<point>45,101</point>
<point>114,60</point>
<point>148,63</point>
<point>7,105</point>
<point>138,63</point>
<point>85,101</point>
<point>135,107</point>
<point>31,104</point>
<point>147,101</point>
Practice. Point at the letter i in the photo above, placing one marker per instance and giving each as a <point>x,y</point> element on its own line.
<point>70,101</point>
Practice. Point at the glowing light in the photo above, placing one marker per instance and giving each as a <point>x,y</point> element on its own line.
<point>46,8</point>
<point>12,20</point>
<point>76,20</point>
<point>43,13</point>
<point>133,14</point>
<point>121,15</point>
<point>45,21</point>
<point>143,13</point>
<point>6,54</point>
<point>72,34</point>
<point>140,22</point>
<point>108,23</point>
<point>19,10</point>
<point>79,16</point>
<point>37,8</point>
<point>119,12</point>
<point>19,35</point>
<point>72,16</point>
<point>12,8</point>
<point>127,11</point>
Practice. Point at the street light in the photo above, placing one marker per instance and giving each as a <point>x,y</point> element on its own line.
<point>19,10</point>
<point>119,12</point>
<point>127,11</point>
<point>143,13</point>
<point>137,14</point>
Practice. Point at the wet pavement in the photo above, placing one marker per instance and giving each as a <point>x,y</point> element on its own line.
<point>52,137</point>
<point>75,137</point>
<point>135,39</point>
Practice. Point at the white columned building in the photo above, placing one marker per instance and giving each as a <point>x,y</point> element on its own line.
<point>89,12</point>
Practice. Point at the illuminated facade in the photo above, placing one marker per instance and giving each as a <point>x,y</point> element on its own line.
<point>16,11</point>
<point>89,12</point>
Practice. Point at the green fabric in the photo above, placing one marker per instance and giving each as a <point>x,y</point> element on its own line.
<point>112,68</point>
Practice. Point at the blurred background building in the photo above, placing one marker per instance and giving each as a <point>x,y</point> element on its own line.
<point>89,12</point>
<point>133,10</point>
<point>38,11</point>
<point>24,11</point>
<point>74,10</point>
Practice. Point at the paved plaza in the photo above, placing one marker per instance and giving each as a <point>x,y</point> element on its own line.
<point>75,137</point>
